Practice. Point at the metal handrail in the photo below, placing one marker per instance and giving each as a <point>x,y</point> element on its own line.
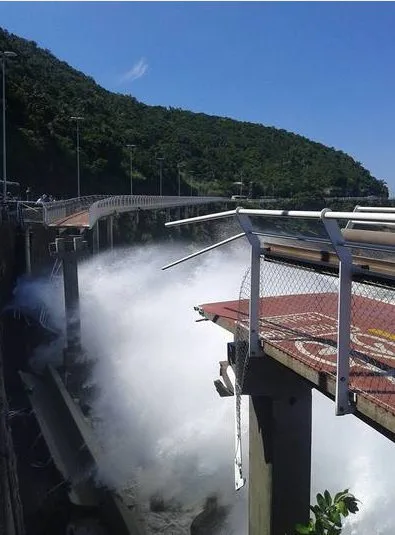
<point>322,215</point>
<point>29,212</point>
<point>129,203</point>
<point>53,211</point>
<point>101,206</point>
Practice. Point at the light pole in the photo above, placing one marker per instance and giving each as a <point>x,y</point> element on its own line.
<point>131,147</point>
<point>3,56</point>
<point>160,160</point>
<point>77,119</point>
<point>241,187</point>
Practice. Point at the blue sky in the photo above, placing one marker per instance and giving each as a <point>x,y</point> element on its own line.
<point>323,70</point>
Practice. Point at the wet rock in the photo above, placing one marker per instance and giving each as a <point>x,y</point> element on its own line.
<point>211,519</point>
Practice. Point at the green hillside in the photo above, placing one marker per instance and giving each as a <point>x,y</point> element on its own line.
<point>43,92</point>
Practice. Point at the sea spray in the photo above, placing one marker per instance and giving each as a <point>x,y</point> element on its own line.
<point>157,413</point>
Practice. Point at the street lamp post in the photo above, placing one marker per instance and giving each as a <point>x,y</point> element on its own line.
<point>160,160</point>
<point>241,187</point>
<point>131,147</point>
<point>77,119</point>
<point>3,55</point>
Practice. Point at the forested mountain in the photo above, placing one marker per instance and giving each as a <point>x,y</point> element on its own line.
<point>214,152</point>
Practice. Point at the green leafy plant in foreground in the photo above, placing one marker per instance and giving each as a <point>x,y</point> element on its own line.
<point>328,514</point>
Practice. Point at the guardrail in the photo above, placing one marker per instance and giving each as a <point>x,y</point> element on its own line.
<point>47,213</point>
<point>100,206</point>
<point>60,209</point>
<point>130,203</point>
<point>103,205</point>
<point>29,212</point>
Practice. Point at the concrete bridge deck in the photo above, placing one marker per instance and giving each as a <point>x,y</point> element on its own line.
<point>77,220</point>
<point>293,333</point>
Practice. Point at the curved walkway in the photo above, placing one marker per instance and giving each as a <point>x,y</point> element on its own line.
<point>86,211</point>
<point>80,220</point>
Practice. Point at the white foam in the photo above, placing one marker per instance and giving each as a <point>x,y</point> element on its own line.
<point>158,414</point>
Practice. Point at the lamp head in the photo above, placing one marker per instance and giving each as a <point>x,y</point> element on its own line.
<point>8,54</point>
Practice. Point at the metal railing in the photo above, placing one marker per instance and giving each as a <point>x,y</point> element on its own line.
<point>48,213</point>
<point>29,212</point>
<point>130,203</point>
<point>57,210</point>
<point>100,206</point>
<point>103,205</point>
<point>381,209</point>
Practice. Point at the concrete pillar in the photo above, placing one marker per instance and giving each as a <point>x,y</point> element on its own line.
<point>68,249</point>
<point>279,449</point>
<point>260,469</point>
<point>110,232</point>
<point>28,258</point>
<point>72,301</point>
<point>96,237</point>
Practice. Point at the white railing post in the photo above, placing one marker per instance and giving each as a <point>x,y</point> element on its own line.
<point>255,273</point>
<point>343,404</point>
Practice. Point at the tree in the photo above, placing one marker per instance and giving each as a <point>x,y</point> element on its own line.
<point>43,93</point>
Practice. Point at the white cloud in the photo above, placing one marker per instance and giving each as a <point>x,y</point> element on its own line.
<point>137,71</point>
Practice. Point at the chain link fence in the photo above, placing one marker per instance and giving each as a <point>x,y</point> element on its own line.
<point>372,365</point>
<point>298,316</point>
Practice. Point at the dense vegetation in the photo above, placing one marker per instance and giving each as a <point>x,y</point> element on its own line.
<point>214,152</point>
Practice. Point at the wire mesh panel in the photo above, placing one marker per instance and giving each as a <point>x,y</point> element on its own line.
<point>240,365</point>
<point>299,316</point>
<point>372,366</point>
<point>242,332</point>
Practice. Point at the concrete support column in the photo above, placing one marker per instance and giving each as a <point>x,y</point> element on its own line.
<point>68,249</point>
<point>279,453</point>
<point>96,237</point>
<point>28,258</point>
<point>72,302</point>
<point>110,232</point>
